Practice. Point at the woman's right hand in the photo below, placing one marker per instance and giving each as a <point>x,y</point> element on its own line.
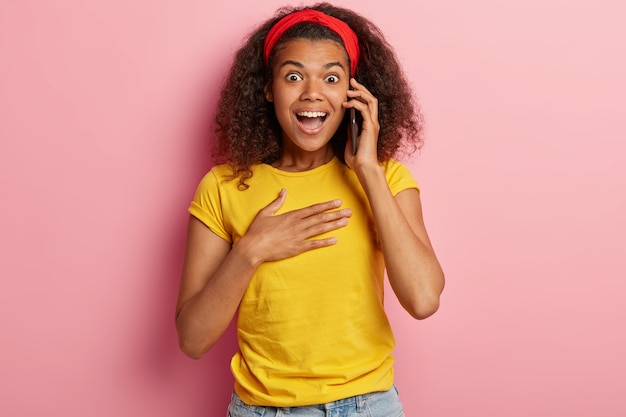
<point>273,237</point>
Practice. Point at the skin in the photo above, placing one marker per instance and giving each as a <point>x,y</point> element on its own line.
<point>308,76</point>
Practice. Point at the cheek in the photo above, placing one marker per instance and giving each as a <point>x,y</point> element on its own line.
<point>282,98</point>
<point>282,110</point>
<point>340,94</point>
<point>338,101</point>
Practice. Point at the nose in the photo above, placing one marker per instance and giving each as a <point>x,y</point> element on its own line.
<point>312,91</point>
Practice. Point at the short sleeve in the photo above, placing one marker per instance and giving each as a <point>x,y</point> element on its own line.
<point>207,206</point>
<point>399,177</point>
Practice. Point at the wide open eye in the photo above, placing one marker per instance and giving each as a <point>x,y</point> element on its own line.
<point>332,79</point>
<point>293,76</point>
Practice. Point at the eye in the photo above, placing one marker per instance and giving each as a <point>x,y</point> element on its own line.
<point>292,76</point>
<point>332,79</point>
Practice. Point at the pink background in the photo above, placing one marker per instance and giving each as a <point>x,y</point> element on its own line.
<point>104,107</point>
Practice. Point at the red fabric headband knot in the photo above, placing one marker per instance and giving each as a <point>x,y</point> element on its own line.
<point>347,35</point>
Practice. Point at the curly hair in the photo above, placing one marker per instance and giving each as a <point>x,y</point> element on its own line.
<point>246,126</point>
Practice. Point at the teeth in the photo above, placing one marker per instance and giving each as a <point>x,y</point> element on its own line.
<point>312,114</point>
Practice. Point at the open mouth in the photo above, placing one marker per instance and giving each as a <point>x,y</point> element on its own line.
<point>311,119</point>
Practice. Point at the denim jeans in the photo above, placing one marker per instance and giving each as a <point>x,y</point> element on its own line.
<point>375,404</point>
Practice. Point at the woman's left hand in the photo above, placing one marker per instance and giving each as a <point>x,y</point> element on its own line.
<point>363,101</point>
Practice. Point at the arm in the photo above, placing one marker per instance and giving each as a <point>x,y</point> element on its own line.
<point>213,281</point>
<point>216,276</point>
<point>412,267</point>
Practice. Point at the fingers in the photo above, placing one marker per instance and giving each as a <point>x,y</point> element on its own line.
<point>302,213</point>
<point>360,98</point>
<point>317,208</point>
<point>319,243</point>
<point>320,218</point>
<point>309,222</point>
<point>322,223</point>
<point>363,100</point>
<point>280,236</point>
<point>326,222</point>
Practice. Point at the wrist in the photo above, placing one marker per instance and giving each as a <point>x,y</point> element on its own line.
<point>244,250</point>
<point>369,173</point>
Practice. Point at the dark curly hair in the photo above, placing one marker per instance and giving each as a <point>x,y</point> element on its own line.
<point>246,126</point>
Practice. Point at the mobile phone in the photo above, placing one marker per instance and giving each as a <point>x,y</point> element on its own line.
<point>353,131</point>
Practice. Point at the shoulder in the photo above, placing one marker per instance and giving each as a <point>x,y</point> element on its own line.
<point>395,169</point>
<point>393,166</point>
<point>218,172</point>
<point>214,181</point>
<point>398,175</point>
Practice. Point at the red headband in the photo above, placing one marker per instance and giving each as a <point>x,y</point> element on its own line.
<point>347,35</point>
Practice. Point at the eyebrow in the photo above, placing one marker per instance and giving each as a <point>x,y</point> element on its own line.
<point>301,65</point>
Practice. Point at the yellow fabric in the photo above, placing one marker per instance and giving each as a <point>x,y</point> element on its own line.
<point>311,329</point>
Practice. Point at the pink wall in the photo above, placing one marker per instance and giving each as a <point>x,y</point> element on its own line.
<point>103,113</point>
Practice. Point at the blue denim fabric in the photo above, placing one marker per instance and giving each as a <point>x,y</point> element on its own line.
<point>375,404</point>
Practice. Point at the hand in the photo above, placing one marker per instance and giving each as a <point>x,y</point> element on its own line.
<point>362,100</point>
<point>275,237</point>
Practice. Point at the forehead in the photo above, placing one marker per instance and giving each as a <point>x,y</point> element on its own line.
<point>311,53</point>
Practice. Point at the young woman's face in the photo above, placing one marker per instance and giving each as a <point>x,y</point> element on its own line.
<point>309,84</point>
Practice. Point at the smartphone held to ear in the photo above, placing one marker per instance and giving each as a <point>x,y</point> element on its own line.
<point>353,131</point>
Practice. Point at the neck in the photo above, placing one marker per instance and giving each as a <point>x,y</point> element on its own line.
<point>303,161</point>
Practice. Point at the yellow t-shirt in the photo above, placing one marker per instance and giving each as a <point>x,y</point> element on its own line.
<point>312,328</point>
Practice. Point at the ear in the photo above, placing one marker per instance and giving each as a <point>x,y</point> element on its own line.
<point>269,95</point>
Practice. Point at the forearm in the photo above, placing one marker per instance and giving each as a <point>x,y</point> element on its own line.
<point>412,267</point>
<point>202,319</point>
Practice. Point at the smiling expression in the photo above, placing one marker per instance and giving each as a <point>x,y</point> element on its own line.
<point>309,84</point>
